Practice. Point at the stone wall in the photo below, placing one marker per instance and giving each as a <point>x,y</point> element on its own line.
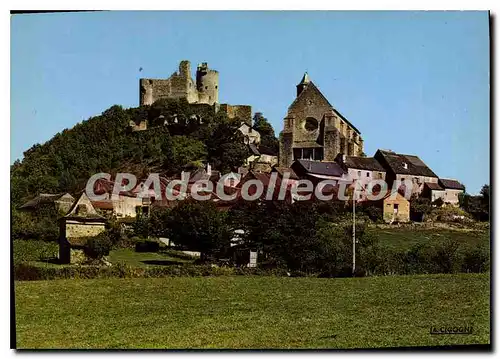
<point>181,85</point>
<point>403,214</point>
<point>76,229</point>
<point>242,112</point>
<point>312,122</point>
<point>451,196</point>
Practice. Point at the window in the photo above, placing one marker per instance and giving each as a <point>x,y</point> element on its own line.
<point>359,174</point>
<point>396,207</point>
<point>216,87</point>
<point>380,175</point>
<point>311,124</point>
<point>367,174</point>
<point>315,153</point>
<point>206,87</point>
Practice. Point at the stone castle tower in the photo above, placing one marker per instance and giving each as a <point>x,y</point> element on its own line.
<point>204,91</point>
<point>181,85</point>
<point>314,130</point>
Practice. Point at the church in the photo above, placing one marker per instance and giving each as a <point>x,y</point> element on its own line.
<point>314,130</point>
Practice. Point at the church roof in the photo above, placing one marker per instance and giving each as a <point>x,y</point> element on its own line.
<point>305,79</point>
<point>312,87</point>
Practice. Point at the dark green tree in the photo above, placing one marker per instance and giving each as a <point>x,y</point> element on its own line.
<point>267,136</point>
<point>199,226</point>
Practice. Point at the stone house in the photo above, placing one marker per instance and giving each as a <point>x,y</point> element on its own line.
<point>261,158</point>
<point>62,202</point>
<point>452,190</point>
<point>395,208</point>
<point>448,190</point>
<point>314,130</point>
<point>127,204</point>
<point>250,134</point>
<point>433,191</point>
<point>76,227</point>
<point>361,169</point>
<point>409,169</point>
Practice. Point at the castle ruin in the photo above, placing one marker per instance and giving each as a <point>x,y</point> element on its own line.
<point>203,90</point>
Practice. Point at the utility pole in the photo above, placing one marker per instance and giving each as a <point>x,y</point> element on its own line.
<point>353,234</point>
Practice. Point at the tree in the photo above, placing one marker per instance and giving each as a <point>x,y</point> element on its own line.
<point>186,150</point>
<point>225,148</point>
<point>267,137</point>
<point>199,226</point>
<point>419,208</point>
<point>477,206</point>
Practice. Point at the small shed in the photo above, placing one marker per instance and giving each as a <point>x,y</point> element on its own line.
<point>76,227</point>
<point>396,208</point>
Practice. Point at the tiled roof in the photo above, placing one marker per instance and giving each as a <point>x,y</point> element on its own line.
<point>42,198</point>
<point>363,163</point>
<point>434,186</point>
<point>267,151</point>
<point>281,171</point>
<point>451,184</point>
<point>414,165</point>
<point>105,205</point>
<point>321,168</point>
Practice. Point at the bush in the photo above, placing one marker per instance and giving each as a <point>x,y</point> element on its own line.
<point>147,246</point>
<point>375,213</point>
<point>31,250</point>
<point>29,272</point>
<point>445,259</point>
<point>98,246</point>
<point>476,261</point>
<point>449,214</point>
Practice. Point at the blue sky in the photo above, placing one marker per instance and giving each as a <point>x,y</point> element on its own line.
<point>413,82</point>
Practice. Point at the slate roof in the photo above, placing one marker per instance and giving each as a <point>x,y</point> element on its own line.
<point>321,168</point>
<point>434,186</point>
<point>363,163</point>
<point>42,198</point>
<point>253,149</point>
<point>451,184</point>
<point>312,87</point>
<point>415,166</point>
<point>267,151</point>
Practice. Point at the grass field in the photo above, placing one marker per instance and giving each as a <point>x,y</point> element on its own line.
<point>251,312</point>
<point>403,238</point>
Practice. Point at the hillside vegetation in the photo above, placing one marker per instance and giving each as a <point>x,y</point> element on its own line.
<point>105,143</point>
